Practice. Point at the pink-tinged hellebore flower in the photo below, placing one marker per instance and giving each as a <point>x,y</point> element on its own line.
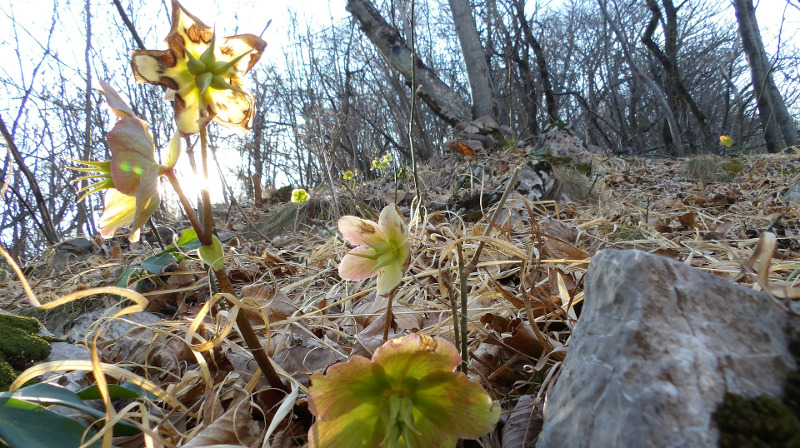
<point>382,248</point>
<point>204,80</point>
<point>131,176</point>
<point>407,396</point>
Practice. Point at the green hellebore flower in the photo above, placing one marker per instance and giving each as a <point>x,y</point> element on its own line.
<point>299,195</point>
<point>131,176</point>
<point>407,396</point>
<point>382,248</point>
<point>204,80</point>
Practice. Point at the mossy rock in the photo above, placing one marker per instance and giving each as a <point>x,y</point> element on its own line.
<point>20,347</point>
<point>756,422</point>
<point>7,374</point>
<point>27,324</point>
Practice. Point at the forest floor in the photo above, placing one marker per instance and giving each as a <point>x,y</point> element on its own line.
<point>524,296</point>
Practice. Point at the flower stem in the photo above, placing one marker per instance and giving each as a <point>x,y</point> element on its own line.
<point>187,206</point>
<point>207,218</point>
<point>462,274</point>
<point>249,335</point>
<point>388,317</point>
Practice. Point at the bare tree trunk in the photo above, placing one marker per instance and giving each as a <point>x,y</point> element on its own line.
<point>669,61</point>
<point>771,108</point>
<point>541,63</point>
<point>677,147</point>
<point>474,58</point>
<point>443,100</point>
<point>45,221</point>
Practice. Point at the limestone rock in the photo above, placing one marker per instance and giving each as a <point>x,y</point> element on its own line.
<point>792,194</point>
<point>85,325</point>
<point>657,347</point>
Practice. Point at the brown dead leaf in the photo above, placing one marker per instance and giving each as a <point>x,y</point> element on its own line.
<point>523,424</point>
<point>371,308</point>
<point>688,220</point>
<point>212,407</point>
<point>235,427</point>
<point>461,148</point>
<point>142,346</point>
<point>277,304</point>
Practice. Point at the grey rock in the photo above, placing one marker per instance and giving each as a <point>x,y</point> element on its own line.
<point>658,345</point>
<point>536,181</point>
<point>62,351</point>
<point>85,325</point>
<point>792,194</point>
<point>71,251</point>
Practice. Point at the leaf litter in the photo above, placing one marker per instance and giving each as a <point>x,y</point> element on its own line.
<point>525,292</point>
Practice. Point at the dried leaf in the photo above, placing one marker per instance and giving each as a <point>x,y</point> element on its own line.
<point>523,424</point>
<point>235,427</point>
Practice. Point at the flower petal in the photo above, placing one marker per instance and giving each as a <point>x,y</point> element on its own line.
<point>360,231</point>
<point>460,407</point>
<point>119,211</point>
<point>428,435</point>
<point>393,225</point>
<point>233,109</point>
<point>389,277</point>
<point>358,429</point>
<point>131,153</point>
<point>174,150</point>
<point>147,200</point>
<point>151,65</point>
<point>187,30</point>
<point>115,102</point>
<point>416,355</point>
<point>234,46</point>
<point>353,267</point>
<point>344,387</point>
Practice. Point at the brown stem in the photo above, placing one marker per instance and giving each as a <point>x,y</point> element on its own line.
<point>249,335</point>
<point>207,218</point>
<point>388,317</point>
<point>187,206</point>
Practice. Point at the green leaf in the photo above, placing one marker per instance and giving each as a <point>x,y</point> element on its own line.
<point>24,424</point>
<point>157,263</point>
<point>93,392</point>
<point>44,393</point>
<point>212,255</point>
<point>189,236</point>
<point>125,277</point>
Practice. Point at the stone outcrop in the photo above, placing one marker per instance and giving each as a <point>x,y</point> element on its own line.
<point>655,350</point>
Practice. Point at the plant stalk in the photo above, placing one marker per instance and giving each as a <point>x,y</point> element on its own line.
<point>388,317</point>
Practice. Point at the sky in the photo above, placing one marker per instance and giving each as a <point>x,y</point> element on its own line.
<point>229,17</point>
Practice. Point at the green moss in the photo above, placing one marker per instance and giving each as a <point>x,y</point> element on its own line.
<point>27,324</point>
<point>7,376</point>
<point>756,422</point>
<point>762,421</point>
<point>20,347</point>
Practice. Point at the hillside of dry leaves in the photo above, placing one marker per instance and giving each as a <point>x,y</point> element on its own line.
<point>525,294</point>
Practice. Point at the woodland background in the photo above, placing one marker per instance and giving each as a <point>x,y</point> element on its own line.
<point>640,77</point>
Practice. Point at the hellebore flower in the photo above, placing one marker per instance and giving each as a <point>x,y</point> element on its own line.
<point>205,81</point>
<point>299,195</point>
<point>382,248</point>
<point>726,140</point>
<point>407,396</point>
<point>131,176</point>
